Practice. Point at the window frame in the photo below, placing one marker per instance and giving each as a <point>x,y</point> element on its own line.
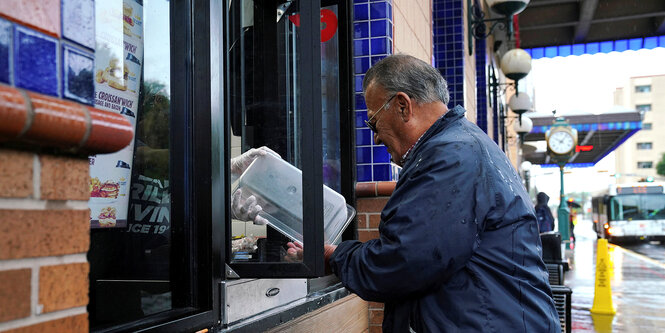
<point>190,165</point>
<point>650,167</point>
<point>639,91</point>
<point>312,168</point>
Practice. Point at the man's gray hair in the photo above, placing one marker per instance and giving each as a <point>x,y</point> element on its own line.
<point>418,79</point>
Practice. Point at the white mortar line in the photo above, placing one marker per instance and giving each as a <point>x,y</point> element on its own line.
<point>43,261</point>
<point>32,204</point>
<point>32,320</point>
<point>34,291</point>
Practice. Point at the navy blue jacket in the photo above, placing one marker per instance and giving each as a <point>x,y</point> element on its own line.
<point>459,248</point>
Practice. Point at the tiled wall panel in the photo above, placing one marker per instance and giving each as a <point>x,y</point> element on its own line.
<point>32,55</point>
<point>448,30</point>
<point>373,41</point>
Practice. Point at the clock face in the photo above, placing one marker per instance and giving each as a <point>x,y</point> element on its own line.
<point>561,142</point>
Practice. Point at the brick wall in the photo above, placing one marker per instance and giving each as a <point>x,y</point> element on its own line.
<point>44,237</point>
<point>372,198</point>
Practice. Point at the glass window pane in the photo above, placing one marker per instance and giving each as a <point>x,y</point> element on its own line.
<point>130,250</point>
<point>265,96</point>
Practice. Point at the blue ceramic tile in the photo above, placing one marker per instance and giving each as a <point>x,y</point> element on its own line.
<point>364,155</point>
<point>364,173</point>
<point>35,61</point>
<point>361,48</point>
<point>381,172</point>
<point>650,42</point>
<point>379,46</point>
<point>361,64</point>
<point>361,30</point>
<point>381,154</point>
<point>378,10</point>
<point>361,116</point>
<point>360,102</point>
<point>635,44</point>
<point>78,21</point>
<point>606,47</point>
<point>379,28</point>
<point>5,47</point>
<point>363,137</point>
<point>77,75</point>
<point>359,82</point>
<point>620,45</point>
<point>361,12</point>
<point>377,59</point>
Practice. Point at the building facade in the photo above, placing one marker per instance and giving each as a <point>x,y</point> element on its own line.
<point>636,158</point>
<point>118,122</point>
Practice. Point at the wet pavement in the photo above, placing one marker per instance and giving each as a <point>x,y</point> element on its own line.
<point>637,282</point>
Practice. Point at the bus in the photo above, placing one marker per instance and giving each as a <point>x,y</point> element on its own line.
<point>630,212</point>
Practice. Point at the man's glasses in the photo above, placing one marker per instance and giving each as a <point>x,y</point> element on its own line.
<point>372,126</point>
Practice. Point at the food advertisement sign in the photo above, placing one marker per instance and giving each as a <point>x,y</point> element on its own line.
<point>118,60</point>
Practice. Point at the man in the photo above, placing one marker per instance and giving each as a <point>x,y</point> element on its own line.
<point>459,248</point>
<point>543,212</point>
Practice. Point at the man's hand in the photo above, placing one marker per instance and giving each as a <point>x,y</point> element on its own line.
<point>295,251</point>
<point>246,209</point>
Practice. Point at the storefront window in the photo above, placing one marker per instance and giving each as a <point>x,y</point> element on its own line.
<point>130,251</point>
<point>271,85</point>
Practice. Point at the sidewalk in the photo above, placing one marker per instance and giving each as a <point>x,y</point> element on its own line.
<point>638,288</point>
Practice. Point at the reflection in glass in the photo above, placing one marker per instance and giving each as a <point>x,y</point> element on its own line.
<point>130,271</point>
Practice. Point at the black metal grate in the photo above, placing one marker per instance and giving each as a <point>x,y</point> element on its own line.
<point>555,274</point>
<point>561,296</point>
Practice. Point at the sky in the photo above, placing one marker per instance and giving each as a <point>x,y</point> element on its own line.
<point>584,84</point>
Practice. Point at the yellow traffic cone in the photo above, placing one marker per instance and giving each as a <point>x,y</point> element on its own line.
<point>602,299</point>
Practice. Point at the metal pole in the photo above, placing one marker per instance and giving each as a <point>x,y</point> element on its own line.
<point>563,214</point>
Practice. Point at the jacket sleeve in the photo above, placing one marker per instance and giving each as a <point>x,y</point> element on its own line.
<point>429,229</point>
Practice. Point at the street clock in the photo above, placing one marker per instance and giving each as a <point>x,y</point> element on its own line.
<point>561,140</point>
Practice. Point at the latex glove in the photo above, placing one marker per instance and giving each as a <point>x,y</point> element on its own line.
<point>246,209</point>
<point>241,163</point>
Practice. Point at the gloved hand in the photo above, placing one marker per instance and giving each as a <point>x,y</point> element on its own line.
<point>241,163</point>
<point>246,209</point>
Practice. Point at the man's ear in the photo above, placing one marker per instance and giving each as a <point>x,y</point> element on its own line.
<point>405,106</point>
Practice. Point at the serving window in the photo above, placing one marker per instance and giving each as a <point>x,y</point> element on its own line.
<point>288,74</point>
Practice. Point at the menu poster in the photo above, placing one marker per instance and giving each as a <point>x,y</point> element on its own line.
<point>118,59</point>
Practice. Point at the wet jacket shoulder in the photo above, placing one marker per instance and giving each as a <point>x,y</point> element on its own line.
<point>459,248</point>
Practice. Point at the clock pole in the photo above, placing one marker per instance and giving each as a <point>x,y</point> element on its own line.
<point>561,156</point>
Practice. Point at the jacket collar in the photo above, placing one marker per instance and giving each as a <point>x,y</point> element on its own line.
<point>452,115</point>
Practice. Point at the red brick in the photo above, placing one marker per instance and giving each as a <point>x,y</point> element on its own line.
<point>371,205</point>
<point>375,316</point>
<point>365,235</point>
<point>39,233</point>
<point>385,188</point>
<point>63,286</point>
<point>362,221</point>
<point>64,178</point>
<point>366,189</point>
<point>14,294</point>
<point>375,329</point>
<point>375,305</point>
<point>43,15</point>
<point>15,174</point>
<point>374,220</point>
<point>74,324</point>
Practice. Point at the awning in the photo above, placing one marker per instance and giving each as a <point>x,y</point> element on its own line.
<point>598,135</point>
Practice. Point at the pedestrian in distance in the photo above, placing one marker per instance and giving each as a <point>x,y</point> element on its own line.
<point>458,247</point>
<point>543,213</point>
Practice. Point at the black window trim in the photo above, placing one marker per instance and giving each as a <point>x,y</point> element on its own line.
<point>312,165</point>
<point>198,267</point>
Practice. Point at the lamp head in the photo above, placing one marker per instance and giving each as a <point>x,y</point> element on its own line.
<point>520,103</point>
<point>516,64</point>
<point>523,126</point>
<point>508,7</point>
